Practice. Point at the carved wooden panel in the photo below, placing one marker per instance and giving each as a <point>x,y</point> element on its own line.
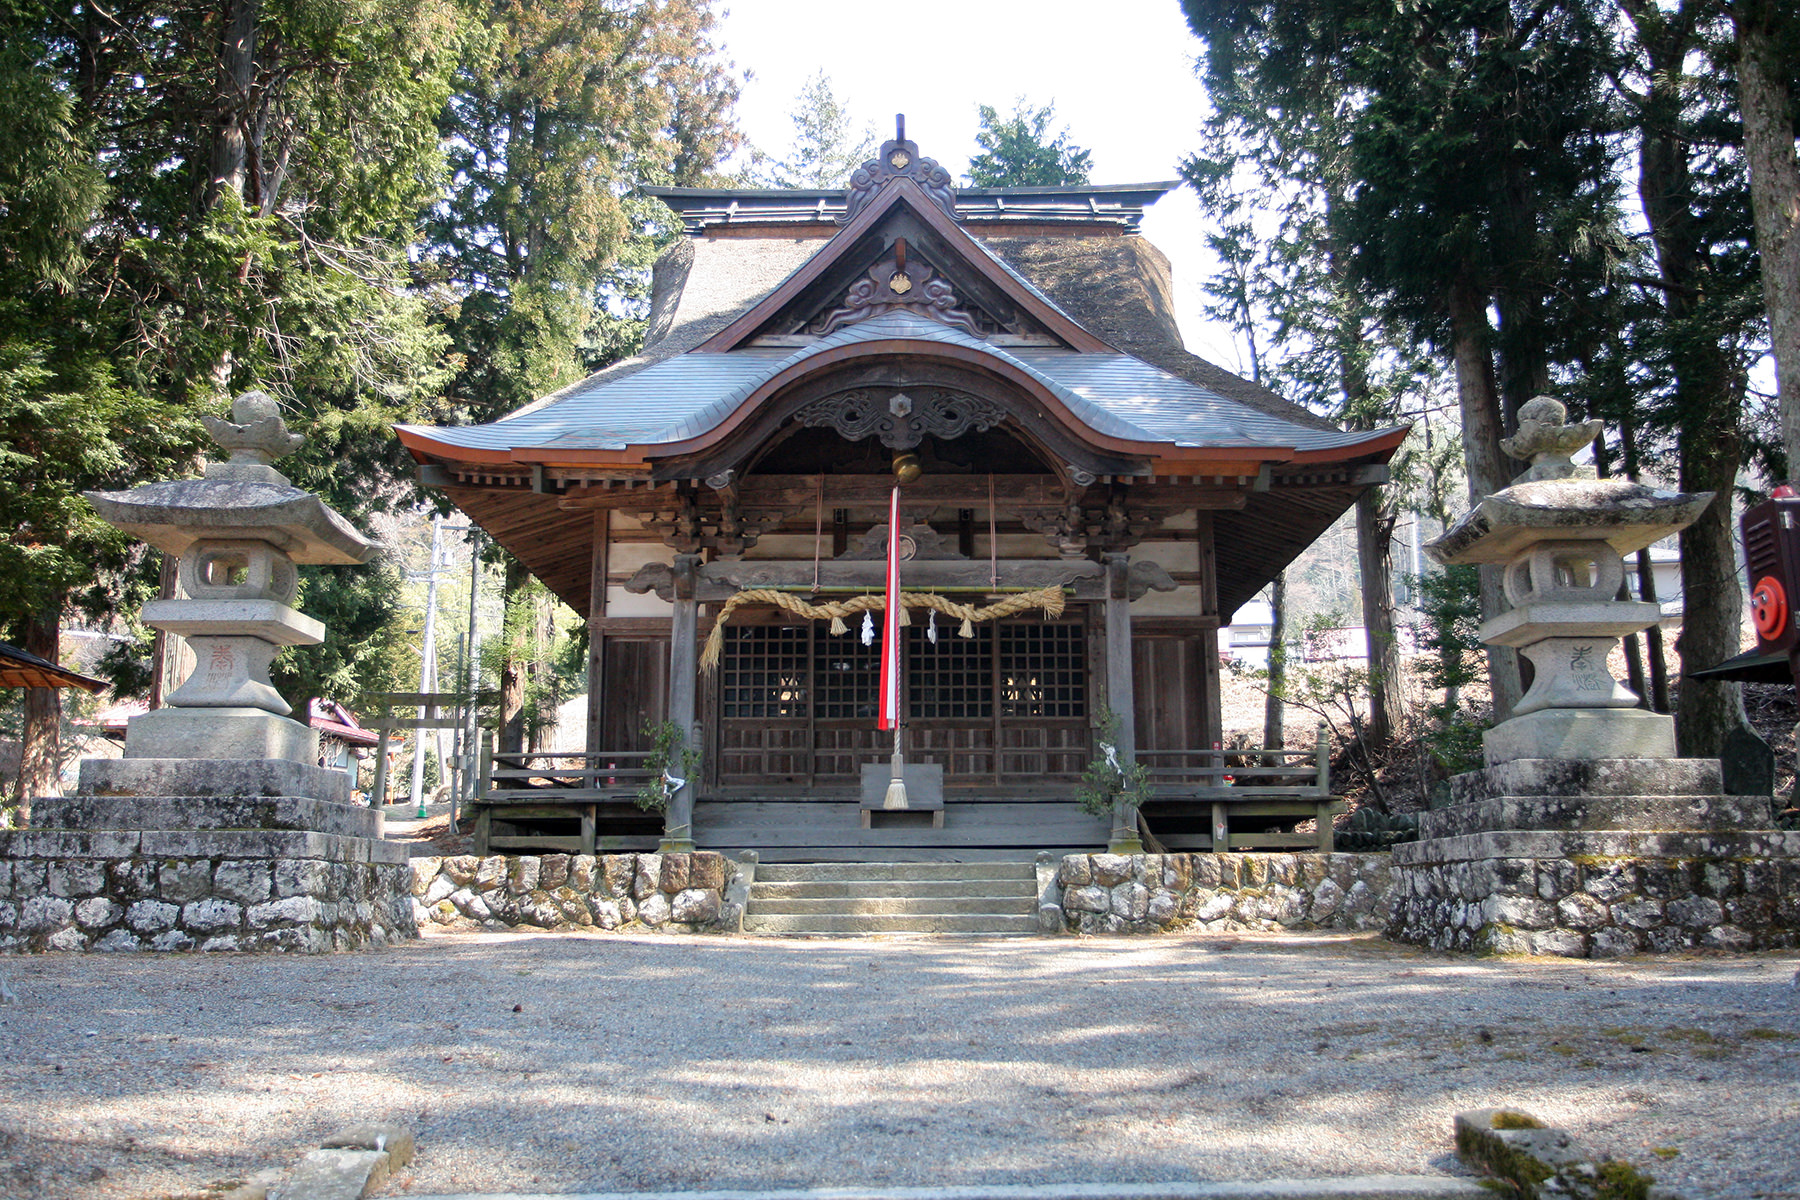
<point>898,157</point>
<point>901,420</point>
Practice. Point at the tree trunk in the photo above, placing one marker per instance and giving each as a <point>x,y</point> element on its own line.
<point>1274,709</point>
<point>1708,400</point>
<point>512,666</point>
<point>1479,400</point>
<point>543,632</point>
<point>231,99</point>
<point>1706,711</point>
<point>1766,105</point>
<point>1375,561</point>
<point>40,748</point>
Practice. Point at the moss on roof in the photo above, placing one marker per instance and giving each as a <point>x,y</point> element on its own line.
<point>1122,289</point>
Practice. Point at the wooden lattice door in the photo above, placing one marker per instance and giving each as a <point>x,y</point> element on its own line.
<point>1006,708</point>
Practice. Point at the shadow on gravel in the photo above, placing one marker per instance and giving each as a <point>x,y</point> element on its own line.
<point>562,1062</point>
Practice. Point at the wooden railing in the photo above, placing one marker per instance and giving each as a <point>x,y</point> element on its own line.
<point>1201,789</point>
<point>569,776</point>
<point>527,800</point>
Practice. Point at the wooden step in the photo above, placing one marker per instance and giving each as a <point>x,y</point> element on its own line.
<point>869,871</point>
<point>841,899</point>
<point>993,924</point>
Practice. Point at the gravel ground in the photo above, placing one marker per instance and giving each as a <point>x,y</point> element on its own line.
<point>571,1062</point>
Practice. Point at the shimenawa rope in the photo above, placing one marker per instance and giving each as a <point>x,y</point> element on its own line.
<point>1049,599</point>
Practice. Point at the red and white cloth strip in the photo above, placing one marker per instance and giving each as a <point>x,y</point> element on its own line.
<point>889,713</point>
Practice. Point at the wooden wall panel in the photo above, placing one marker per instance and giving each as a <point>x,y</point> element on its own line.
<point>634,690</point>
<point>1171,700</point>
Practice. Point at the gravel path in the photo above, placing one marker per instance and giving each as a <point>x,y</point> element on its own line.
<point>639,1063</point>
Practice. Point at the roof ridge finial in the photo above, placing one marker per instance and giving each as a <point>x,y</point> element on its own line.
<point>898,158</point>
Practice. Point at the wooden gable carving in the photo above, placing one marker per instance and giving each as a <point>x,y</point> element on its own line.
<point>892,283</point>
<point>899,158</point>
<point>903,250</point>
<point>904,278</point>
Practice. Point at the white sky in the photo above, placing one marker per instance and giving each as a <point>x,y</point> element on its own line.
<point>1121,75</point>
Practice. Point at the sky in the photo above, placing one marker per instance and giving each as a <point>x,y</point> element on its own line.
<point>1121,75</point>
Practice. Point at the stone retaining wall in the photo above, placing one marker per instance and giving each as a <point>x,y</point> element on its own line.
<point>667,893</point>
<point>1598,894</point>
<point>1158,893</point>
<point>108,891</point>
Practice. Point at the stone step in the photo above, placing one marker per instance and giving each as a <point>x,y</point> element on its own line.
<point>204,812</point>
<point>1598,812</point>
<point>1589,777</point>
<point>922,906</point>
<point>852,871</point>
<point>819,924</point>
<point>763,890</point>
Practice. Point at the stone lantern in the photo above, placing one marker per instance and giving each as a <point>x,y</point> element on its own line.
<point>1584,835</point>
<point>1561,539</point>
<point>238,534</point>
<point>217,830</point>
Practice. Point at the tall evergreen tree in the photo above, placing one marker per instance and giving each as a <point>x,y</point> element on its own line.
<point>559,111</point>
<point>1019,151</point>
<point>828,146</point>
<point>1768,68</point>
<point>249,176</point>
<point>1476,170</point>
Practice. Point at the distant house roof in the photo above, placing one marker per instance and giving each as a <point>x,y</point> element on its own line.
<point>20,668</point>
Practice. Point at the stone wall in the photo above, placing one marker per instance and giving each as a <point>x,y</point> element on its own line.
<point>1158,893</point>
<point>1598,894</point>
<point>138,890</point>
<point>665,893</point>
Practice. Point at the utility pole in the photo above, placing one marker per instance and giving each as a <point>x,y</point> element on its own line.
<point>471,725</point>
<point>427,667</point>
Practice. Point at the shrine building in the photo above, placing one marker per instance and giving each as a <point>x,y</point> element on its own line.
<point>1011,356</point>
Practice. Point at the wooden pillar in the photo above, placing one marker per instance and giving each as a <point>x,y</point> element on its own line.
<point>1121,695</point>
<point>684,667</point>
<point>596,666</point>
<point>1212,724</point>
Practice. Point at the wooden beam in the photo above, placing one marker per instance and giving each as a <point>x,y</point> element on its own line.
<point>597,576</point>
<point>800,492</point>
<point>915,575</point>
<point>1121,694</point>
<point>684,678</point>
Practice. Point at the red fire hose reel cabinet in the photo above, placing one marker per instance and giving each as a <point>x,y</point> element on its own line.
<point>1771,532</point>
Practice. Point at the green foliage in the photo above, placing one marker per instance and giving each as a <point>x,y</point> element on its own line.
<point>827,146</point>
<point>1450,602</point>
<point>1107,780</point>
<point>669,755</point>
<point>182,240</point>
<point>368,649</point>
<point>1018,151</point>
<point>1450,641</point>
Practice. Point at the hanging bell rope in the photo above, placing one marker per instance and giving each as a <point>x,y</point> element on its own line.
<point>1050,599</point>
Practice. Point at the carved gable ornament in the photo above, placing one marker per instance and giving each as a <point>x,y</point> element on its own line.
<point>902,419</point>
<point>898,282</point>
<point>899,158</point>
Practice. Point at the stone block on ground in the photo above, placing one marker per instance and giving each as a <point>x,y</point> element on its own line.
<point>334,1175</point>
<point>395,1140</point>
<point>1535,1160</point>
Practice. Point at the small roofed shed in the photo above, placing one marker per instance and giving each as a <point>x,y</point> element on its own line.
<point>1015,349</point>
